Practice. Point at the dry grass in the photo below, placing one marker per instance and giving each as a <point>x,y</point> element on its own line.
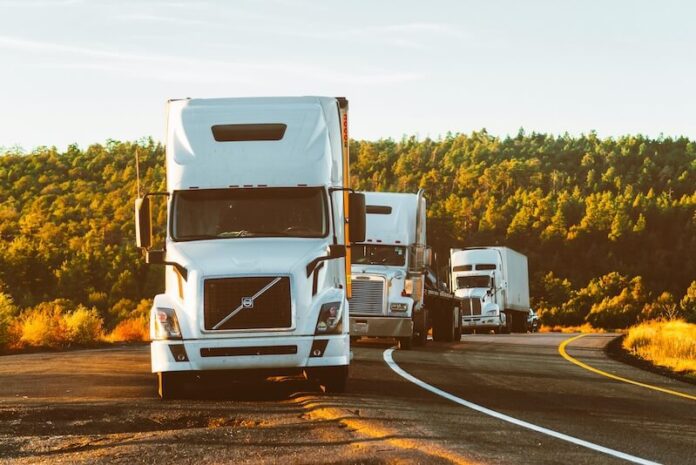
<point>586,328</point>
<point>670,344</point>
<point>131,330</point>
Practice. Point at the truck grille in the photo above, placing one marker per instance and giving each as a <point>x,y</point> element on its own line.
<point>254,309</point>
<point>471,306</point>
<point>368,296</point>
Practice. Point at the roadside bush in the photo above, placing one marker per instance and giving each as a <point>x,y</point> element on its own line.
<point>671,344</point>
<point>663,308</point>
<point>619,311</point>
<point>688,303</point>
<point>8,312</point>
<point>584,328</point>
<point>131,330</point>
<point>43,325</point>
<point>83,326</point>
<point>121,310</point>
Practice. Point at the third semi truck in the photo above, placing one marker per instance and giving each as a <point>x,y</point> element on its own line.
<point>494,283</point>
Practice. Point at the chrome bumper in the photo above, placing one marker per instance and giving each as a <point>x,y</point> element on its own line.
<point>376,326</point>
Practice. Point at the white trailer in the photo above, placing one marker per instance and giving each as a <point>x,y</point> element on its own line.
<point>495,285</point>
<point>257,246</point>
<point>395,294</point>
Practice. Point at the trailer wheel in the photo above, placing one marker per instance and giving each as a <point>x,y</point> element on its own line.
<point>169,385</point>
<point>443,327</point>
<point>405,343</point>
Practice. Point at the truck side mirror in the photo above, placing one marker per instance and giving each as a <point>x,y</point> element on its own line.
<point>357,217</point>
<point>143,223</point>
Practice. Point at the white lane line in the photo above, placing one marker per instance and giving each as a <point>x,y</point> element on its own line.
<point>501,416</point>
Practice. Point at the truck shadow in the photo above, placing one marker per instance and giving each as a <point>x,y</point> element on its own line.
<point>232,388</point>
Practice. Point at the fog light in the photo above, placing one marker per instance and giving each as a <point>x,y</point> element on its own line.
<point>318,348</point>
<point>178,352</point>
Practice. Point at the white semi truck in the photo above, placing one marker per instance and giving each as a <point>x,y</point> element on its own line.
<point>494,283</point>
<point>257,246</point>
<point>395,294</point>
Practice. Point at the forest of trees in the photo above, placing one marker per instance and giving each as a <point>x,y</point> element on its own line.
<point>609,225</point>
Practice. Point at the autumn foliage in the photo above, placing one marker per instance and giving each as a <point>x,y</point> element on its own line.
<point>608,225</point>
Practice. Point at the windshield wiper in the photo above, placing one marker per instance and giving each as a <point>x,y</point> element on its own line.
<point>241,233</point>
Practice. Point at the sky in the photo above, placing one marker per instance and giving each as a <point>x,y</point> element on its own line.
<point>82,72</point>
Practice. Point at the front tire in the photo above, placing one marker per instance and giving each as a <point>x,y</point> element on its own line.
<point>405,343</point>
<point>334,379</point>
<point>169,385</point>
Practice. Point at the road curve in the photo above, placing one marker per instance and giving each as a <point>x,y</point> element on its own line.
<point>100,406</point>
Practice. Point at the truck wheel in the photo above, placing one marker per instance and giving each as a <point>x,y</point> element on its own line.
<point>405,343</point>
<point>508,322</point>
<point>420,329</point>
<point>519,322</point>
<point>334,379</point>
<point>458,326</point>
<point>437,331</point>
<point>169,386</point>
<point>420,338</point>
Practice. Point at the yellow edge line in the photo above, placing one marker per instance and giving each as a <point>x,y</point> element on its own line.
<point>564,354</point>
<point>371,430</point>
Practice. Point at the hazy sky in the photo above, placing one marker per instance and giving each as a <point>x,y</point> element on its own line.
<point>85,71</point>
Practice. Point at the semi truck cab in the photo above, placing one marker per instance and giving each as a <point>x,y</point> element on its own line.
<point>388,269</point>
<point>494,283</point>
<point>478,285</point>
<point>257,246</point>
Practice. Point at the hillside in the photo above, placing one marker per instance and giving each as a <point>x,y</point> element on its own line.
<point>609,225</point>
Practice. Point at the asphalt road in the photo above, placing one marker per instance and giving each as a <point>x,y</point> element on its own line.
<point>512,399</point>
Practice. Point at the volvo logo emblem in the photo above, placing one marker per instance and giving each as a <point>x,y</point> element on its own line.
<point>247,302</point>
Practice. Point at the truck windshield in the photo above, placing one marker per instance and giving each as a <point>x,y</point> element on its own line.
<point>260,212</point>
<point>378,255</point>
<point>464,282</point>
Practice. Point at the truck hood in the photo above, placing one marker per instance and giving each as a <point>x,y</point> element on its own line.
<point>472,293</point>
<point>248,256</point>
<point>388,271</point>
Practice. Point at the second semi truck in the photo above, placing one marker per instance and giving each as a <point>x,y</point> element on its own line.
<point>395,292</point>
